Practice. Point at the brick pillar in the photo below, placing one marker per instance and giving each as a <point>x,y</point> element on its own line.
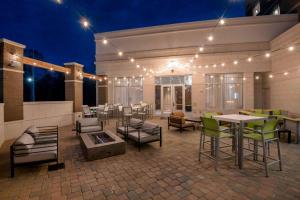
<point>73,85</point>
<point>11,79</point>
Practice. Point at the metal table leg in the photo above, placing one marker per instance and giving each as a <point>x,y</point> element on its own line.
<point>297,131</point>
<point>241,145</point>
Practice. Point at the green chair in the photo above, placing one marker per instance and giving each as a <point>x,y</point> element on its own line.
<point>210,114</point>
<point>266,134</point>
<point>212,129</point>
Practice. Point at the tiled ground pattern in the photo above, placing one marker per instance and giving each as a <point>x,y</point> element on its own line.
<point>171,172</point>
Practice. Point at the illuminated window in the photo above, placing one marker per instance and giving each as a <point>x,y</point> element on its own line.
<point>224,91</point>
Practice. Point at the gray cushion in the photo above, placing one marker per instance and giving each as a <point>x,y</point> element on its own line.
<point>89,121</point>
<point>136,123</point>
<point>87,129</point>
<point>144,137</point>
<point>151,128</point>
<point>40,156</point>
<point>121,129</point>
<point>32,130</point>
<point>26,141</point>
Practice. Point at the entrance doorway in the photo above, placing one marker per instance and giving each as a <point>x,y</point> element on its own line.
<point>172,98</point>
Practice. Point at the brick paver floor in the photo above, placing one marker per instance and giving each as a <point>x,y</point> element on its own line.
<point>171,172</point>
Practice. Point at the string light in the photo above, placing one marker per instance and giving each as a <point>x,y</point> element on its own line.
<point>244,78</point>
<point>214,65</point>
<point>104,41</point>
<point>249,59</point>
<point>138,66</point>
<point>285,73</point>
<point>51,68</point>
<point>271,76</point>
<point>85,23</point>
<point>235,62</point>
<point>132,60</point>
<point>201,49</point>
<point>67,72</point>
<point>291,48</point>
<point>196,56</point>
<point>267,55</point>
<point>257,77</point>
<point>210,38</point>
<point>223,64</point>
<point>58,1</point>
<point>222,22</point>
<point>120,53</point>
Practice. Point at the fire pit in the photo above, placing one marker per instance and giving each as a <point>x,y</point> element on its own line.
<point>99,145</point>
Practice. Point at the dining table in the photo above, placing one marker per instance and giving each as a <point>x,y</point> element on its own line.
<point>239,121</point>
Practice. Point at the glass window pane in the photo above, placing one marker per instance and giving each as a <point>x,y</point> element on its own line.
<point>224,91</point>
<point>157,97</point>
<point>188,98</point>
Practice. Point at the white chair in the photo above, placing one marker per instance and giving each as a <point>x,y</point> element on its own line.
<point>86,111</point>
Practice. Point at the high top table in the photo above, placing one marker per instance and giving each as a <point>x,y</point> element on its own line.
<point>240,120</point>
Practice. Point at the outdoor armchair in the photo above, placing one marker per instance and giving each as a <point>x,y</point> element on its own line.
<point>133,125</point>
<point>149,132</point>
<point>87,125</point>
<point>176,119</point>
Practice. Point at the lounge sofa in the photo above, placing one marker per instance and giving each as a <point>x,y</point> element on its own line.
<point>149,132</point>
<point>35,146</point>
<point>176,119</point>
<point>88,125</point>
<point>132,126</point>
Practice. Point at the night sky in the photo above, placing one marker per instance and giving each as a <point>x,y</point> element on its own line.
<point>55,31</point>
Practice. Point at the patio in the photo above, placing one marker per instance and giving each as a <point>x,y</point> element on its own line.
<point>169,172</point>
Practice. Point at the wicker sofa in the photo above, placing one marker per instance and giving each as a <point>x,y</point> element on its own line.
<point>177,120</point>
<point>35,146</point>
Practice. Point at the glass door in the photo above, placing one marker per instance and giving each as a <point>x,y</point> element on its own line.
<point>172,98</point>
<point>178,97</point>
<point>166,100</point>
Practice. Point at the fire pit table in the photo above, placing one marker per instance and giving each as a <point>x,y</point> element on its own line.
<point>98,145</point>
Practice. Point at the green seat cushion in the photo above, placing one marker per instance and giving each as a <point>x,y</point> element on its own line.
<point>258,111</point>
<point>257,136</point>
<point>210,114</point>
<point>276,112</point>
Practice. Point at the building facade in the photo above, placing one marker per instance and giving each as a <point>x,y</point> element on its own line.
<point>271,7</point>
<point>176,67</point>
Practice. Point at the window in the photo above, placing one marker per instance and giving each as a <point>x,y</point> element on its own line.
<point>128,91</point>
<point>224,91</point>
<point>256,9</point>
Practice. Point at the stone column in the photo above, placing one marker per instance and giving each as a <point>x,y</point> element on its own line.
<point>11,79</point>
<point>73,85</point>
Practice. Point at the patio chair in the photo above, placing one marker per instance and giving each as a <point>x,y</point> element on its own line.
<point>27,150</point>
<point>103,115</point>
<point>176,119</point>
<point>266,134</point>
<point>149,132</point>
<point>87,125</point>
<point>86,111</point>
<point>133,125</point>
<point>126,114</point>
<point>142,113</point>
<point>212,129</point>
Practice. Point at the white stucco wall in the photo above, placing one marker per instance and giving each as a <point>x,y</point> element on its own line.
<point>155,47</point>
<point>41,114</point>
<point>2,138</point>
<point>285,90</point>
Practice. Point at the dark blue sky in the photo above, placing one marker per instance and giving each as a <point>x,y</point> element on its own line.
<point>55,31</point>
